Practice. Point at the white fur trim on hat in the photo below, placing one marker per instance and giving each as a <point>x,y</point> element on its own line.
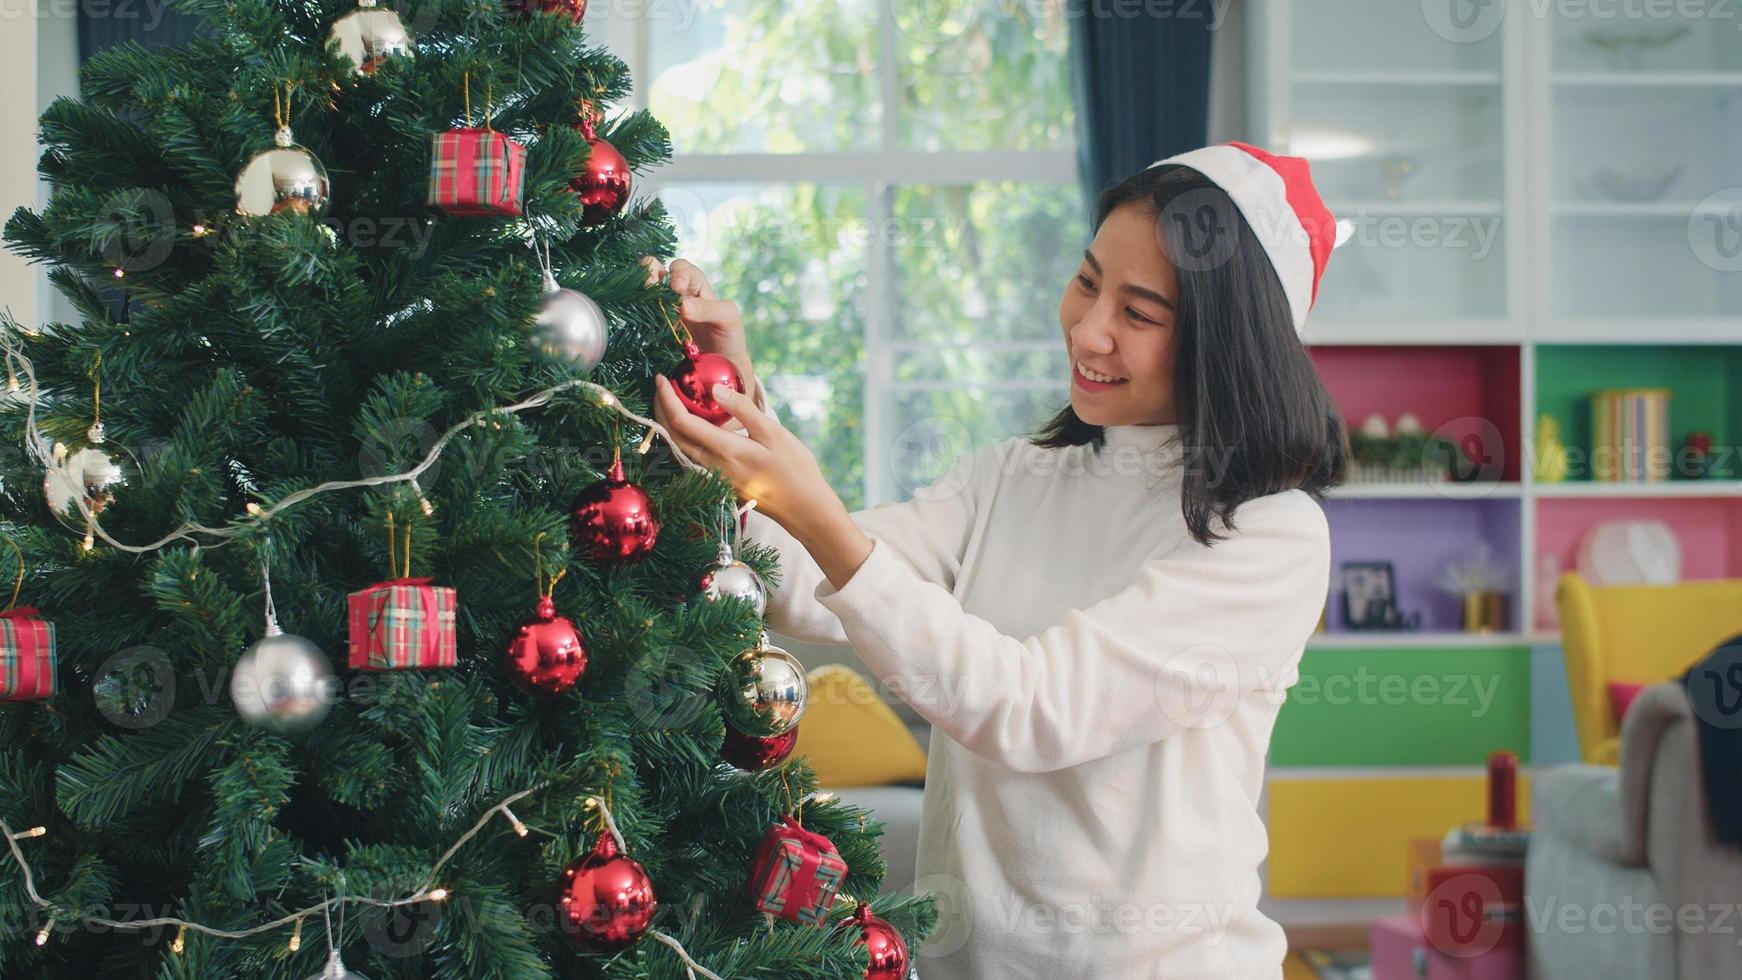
<point>1276,197</point>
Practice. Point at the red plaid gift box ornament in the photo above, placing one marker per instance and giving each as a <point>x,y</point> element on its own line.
<point>27,660</point>
<point>404,624</point>
<point>476,172</point>
<point>796,873</point>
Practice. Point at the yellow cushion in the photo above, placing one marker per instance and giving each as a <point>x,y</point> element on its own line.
<point>851,737</point>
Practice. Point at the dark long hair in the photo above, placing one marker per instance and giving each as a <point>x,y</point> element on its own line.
<point>1253,415</point>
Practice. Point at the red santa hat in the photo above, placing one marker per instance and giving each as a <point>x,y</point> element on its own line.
<point>1277,197</point>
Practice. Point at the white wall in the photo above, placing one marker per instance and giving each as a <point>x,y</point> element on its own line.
<point>38,61</point>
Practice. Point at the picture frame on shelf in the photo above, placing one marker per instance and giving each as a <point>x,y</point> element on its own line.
<point>1370,597</point>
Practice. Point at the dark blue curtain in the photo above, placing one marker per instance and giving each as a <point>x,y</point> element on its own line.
<point>1142,85</point>
<point>106,23</point>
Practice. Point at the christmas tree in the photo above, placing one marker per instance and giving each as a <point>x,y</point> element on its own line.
<point>363,620</point>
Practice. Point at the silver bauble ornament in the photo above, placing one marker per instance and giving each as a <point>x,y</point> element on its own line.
<point>730,577</point>
<point>763,690</point>
<point>282,684</point>
<point>286,177</point>
<point>335,970</point>
<point>90,475</point>
<point>369,36</point>
<point>570,327</point>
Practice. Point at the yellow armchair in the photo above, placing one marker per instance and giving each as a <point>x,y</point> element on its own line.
<point>1635,634</point>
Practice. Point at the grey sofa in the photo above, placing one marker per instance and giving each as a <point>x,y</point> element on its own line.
<point>1623,877</point>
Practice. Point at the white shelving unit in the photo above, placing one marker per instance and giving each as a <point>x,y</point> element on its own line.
<point>1607,174</point>
<point>1526,122</point>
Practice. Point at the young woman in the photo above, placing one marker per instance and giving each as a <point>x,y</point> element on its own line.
<point>1099,621</point>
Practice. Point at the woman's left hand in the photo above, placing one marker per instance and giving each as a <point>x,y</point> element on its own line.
<point>771,466</point>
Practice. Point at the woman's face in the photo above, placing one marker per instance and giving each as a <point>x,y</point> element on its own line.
<point>1118,318</point>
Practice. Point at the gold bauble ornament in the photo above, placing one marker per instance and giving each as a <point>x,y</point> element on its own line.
<point>369,36</point>
<point>286,177</point>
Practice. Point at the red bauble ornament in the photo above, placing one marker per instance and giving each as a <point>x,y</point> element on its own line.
<point>753,754</point>
<point>576,9</point>
<point>607,899</point>
<point>614,519</point>
<point>888,950</point>
<point>547,654</point>
<point>604,185</point>
<point>695,378</point>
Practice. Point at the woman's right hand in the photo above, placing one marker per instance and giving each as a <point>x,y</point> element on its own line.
<point>716,324</point>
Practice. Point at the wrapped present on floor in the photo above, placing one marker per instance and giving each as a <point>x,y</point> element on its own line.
<point>476,172</point>
<point>796,873</point>
<point>404,624</point>
<point>27,660</point>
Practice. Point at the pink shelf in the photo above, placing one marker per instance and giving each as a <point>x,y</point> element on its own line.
<point>1709,529</point>
<point>1466,393</point>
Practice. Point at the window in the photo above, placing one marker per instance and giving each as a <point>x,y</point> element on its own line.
<point>888,188</point>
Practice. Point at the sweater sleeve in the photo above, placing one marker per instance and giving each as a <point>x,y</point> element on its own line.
<point>1198,629</point>
<point>927,536</point>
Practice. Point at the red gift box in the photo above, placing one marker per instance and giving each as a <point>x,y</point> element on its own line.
<point>476,172</point>
<point>405,624</point>
<point>796,873</point>
<point>27,658</point>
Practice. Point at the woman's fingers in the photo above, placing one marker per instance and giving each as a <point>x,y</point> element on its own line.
<point>711,445</point>
<point>655,270</point>
<point>670,413</point>
<point>741,407</point>
<point>688,280</point>
<point>720,313</point>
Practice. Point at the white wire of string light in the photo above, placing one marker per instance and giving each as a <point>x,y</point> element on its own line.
<point>428,891</point>
<point>39,447</point>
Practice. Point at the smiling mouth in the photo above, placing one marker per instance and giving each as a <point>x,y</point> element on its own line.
<point>1094,380</point>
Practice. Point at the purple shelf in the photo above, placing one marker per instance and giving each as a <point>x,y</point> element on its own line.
<point>1420,537</point>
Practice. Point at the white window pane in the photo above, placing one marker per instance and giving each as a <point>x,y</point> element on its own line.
<point>983,75</point>
<point>985,262</point>
<point>735,77</point>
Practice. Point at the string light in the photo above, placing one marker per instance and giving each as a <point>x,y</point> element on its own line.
<point>428,893</point>
<point>32,832</point>
<point>200,231</point>
<point>120,273</point>
<point>422,501</point>
<point>195,533</point>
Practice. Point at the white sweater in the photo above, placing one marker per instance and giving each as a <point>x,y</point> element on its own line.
<point>1102,690</point>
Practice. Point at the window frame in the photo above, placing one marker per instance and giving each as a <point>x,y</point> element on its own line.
<point>878,172</point>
